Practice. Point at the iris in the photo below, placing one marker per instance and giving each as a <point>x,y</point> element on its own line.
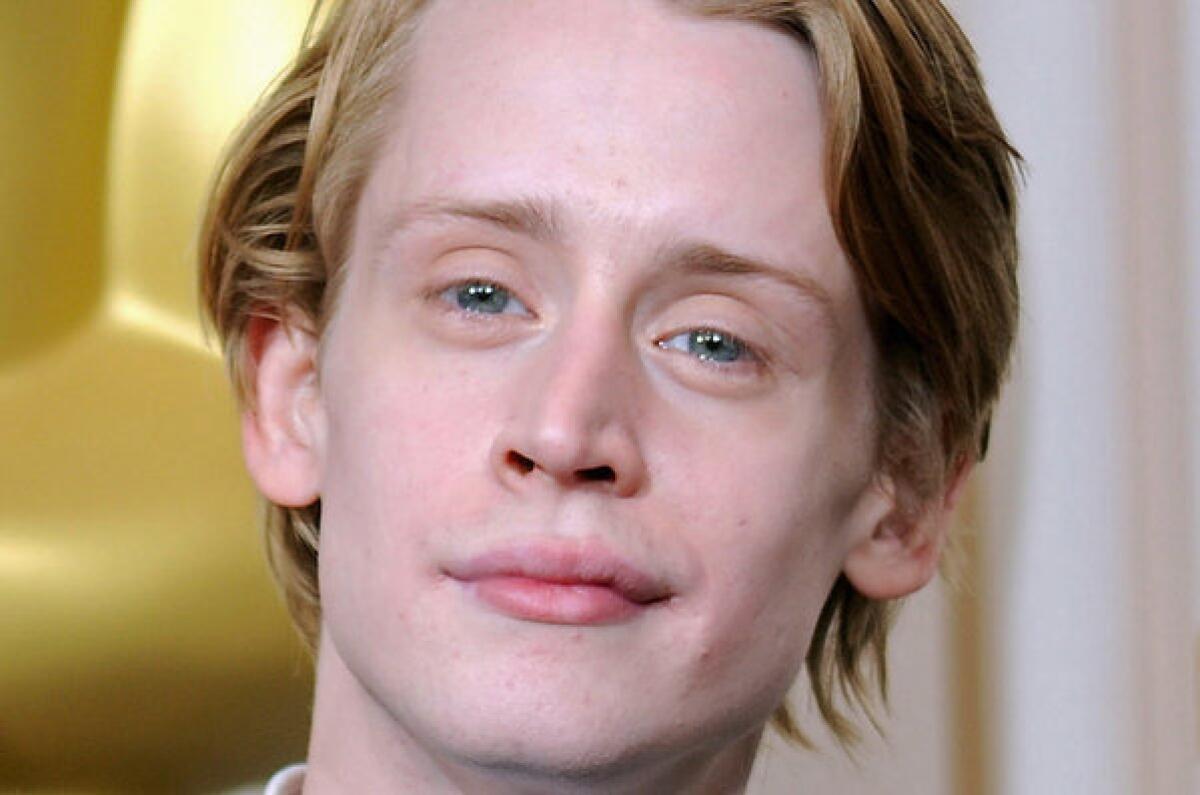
<point>708,344</point>
<point>482,297</point>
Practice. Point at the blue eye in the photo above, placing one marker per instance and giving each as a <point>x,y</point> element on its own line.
<point>710,345</point>
<point>481,297</point>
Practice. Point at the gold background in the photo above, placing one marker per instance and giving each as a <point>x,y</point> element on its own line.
<point>142,646</point>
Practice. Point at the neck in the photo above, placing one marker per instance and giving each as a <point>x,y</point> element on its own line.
<point>357,745</point>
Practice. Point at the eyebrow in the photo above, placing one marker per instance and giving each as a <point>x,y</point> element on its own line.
<point>692,258</point>
<point>540,221</point>
<point>528,217</point>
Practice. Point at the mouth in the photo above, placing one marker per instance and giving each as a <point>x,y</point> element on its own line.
<point>558,582</point>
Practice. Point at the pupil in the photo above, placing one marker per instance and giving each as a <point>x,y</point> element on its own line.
<point>480,297</point>
<point>714,345</point>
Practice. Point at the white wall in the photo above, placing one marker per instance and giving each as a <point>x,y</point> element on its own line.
<point>1090,518</point>
<point>1191,138</point>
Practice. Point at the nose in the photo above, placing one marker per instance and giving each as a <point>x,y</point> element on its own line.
<point>572,418</point>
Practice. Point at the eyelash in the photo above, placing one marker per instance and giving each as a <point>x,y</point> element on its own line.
<point>752,359</point>
<point>755,359</point>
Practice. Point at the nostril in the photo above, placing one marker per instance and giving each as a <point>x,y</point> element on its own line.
<point>598,473</point>
<point>525,465</point>
<point>520,461</point>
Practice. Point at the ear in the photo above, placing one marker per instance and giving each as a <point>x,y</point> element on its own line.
<point>901,554</point>
<point>283,430</point>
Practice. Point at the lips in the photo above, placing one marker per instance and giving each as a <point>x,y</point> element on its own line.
<point>558,581</point>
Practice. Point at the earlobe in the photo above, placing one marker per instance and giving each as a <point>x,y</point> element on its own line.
<point>282,429</point>
<point>900,556</point>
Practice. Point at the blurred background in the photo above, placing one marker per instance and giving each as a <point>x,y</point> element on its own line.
<point>143,647</point>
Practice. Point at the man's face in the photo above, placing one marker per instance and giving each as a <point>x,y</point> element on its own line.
<point>552,339</point>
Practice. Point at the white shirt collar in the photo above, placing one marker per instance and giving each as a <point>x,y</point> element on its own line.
<point>288,781</point>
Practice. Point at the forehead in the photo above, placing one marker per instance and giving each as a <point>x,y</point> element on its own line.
<point>628,115</point>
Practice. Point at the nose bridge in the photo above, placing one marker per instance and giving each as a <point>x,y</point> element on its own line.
<point>581,381</point>
<point>575,421</point>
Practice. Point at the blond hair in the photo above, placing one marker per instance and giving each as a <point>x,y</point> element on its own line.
<point>920,186</point>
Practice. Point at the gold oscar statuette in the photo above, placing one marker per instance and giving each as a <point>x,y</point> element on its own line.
<point>144,648</point>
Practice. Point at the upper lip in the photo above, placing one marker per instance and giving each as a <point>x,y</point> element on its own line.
<point>566,562</point>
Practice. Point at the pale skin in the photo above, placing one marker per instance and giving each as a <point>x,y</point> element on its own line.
<point>490,377</point>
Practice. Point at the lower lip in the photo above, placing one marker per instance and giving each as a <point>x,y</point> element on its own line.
<point>555,603</point>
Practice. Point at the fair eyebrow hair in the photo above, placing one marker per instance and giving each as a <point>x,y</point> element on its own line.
<point>528,217</point>
<point>691,258</point>
<point>539,221</point>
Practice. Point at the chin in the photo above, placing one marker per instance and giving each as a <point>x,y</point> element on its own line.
<point>579,756</point>
<point>547,735</point>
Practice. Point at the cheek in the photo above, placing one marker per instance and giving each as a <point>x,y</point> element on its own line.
<point>403,442</point>
<point>769,578</point>
<point>400,419</point>
<point>755,632</point>
<point>763,520</point>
